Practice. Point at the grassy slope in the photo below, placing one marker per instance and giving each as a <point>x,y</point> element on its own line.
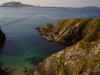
<point>82,57</point>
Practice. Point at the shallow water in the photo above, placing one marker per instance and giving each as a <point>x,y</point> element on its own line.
<point>23,42</point>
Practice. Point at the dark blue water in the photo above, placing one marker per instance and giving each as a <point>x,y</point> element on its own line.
<point>23,41</point>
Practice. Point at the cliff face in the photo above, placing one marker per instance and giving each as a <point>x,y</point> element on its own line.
<point>82,53</point>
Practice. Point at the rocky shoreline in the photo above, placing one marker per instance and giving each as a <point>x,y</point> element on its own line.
<point>46,32</point>
<point>69,34</point>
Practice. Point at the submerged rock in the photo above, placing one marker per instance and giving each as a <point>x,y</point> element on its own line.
<point>82,53</point>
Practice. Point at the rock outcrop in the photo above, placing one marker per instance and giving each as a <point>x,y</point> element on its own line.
<point>82,53</point>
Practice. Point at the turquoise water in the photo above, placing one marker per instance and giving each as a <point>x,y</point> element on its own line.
<point>23,42</point>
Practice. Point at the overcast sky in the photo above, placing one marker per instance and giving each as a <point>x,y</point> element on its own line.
<point>65,3</point>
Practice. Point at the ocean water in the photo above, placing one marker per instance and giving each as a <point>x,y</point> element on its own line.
<point>23,43</point>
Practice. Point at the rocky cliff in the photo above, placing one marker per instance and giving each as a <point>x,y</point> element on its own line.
<point>82,53</point>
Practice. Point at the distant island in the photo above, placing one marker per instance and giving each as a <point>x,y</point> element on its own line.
<point>16,4</point>
<point>91,7</point>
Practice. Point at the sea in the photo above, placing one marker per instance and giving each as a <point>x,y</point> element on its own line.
<point>24,46</point>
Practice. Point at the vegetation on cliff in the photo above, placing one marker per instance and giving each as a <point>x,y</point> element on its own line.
<point>82,53</point>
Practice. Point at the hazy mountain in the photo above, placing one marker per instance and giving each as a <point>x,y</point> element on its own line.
<point>15,4</point>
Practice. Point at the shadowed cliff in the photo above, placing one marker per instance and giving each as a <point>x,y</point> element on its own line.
<point>2,40</point>
<point>82,53</point>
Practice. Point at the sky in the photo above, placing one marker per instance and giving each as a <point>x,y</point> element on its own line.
<point>59,3</point>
